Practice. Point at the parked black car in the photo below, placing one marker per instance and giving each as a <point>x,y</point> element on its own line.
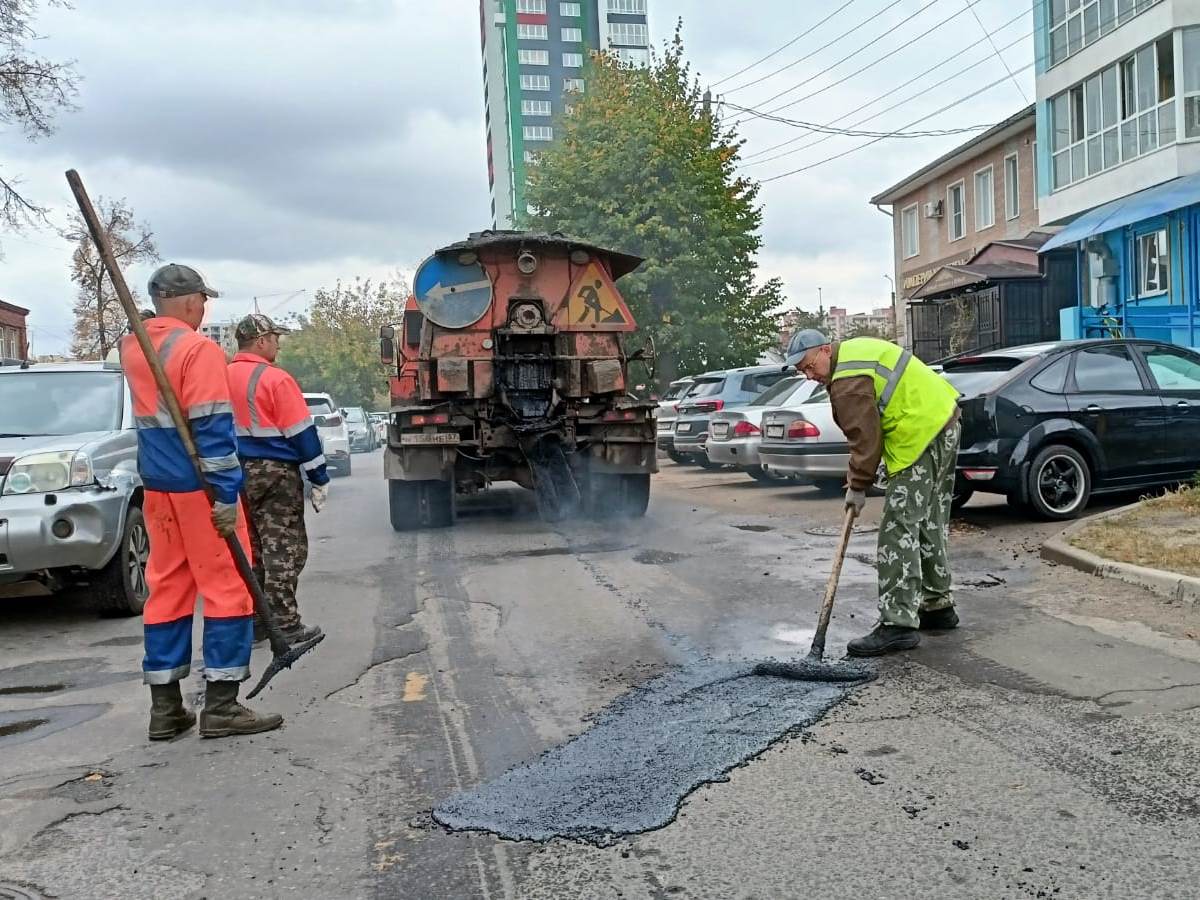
<point>1050,425</point>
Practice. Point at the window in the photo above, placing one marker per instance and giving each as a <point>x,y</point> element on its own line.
<point>629,7</point>
<point>1191,82</point>
<point>956,220</point>
<point>1053,378</point>
<point>535,82</point>
<point>533,32</point>
<point>533,57</point>
<point>1117,115</point>
<point>754,384</point>
<point>572,35</point>
<point>569,10</point>
<point>1154,264</point>
<point>1075,24</point>
<point>910,232</point>
<point>1174,370</point>
<point>535,108</point>
<point>628,33</point>
<point>531,6</point>
<point>572,60</point>
<point>1012,187</point>
<point>633,57</point>
<point>1104,370</point>
<point>538,133</point>
<point>573,85</point>
<point>985,199</point>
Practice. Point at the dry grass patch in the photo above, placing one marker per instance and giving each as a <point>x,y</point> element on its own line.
<point>1162,533</point>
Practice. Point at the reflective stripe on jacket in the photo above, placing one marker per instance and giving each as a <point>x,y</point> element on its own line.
<point>272,419</point>
<point>914,402</point>
<point>195,368</point>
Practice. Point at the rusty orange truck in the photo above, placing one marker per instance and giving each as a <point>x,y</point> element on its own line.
<point>512,364</point>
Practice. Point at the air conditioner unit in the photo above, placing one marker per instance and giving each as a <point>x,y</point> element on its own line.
<point>933,209</point>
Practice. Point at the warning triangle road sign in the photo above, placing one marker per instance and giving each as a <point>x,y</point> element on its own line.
<point>595,305</point>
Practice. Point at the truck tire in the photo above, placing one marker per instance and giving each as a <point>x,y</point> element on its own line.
<point>413,505</point>
<point>619,496</point>
<point>120,588</point>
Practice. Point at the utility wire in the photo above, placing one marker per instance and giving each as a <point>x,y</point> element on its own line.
<point>888,55</point>
<point>802,34</point>
<point>848,132</point>
<point>824,46</point>
<point>1003,61</point>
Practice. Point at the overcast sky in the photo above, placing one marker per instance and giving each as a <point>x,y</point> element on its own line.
<point>281,145</point>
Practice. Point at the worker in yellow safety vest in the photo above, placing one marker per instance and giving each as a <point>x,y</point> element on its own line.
<point>893,407</point>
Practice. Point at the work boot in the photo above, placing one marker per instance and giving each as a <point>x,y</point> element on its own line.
<point>299,633</point>
<point>884,639</point>
<point>168,716</point>
<point>224,716</point>
<point>939,619</point>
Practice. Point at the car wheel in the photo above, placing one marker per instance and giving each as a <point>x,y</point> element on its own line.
<point>763,475</point>
<point>960,498</point>
<point>678,458</point>
<point>1060,483</point>
<point>705,463</point>
<point>349,467</point>
<point>120,588</point>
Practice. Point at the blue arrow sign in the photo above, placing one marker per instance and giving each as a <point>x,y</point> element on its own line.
<point>452,294</point>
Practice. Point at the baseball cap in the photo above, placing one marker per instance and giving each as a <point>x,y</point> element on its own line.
<point>256,325</point>
<point>175,280</point>
<point>802,342</point>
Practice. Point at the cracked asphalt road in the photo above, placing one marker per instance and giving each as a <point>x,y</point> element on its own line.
<point>1048,748</point>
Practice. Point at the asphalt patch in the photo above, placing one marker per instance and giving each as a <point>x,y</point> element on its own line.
<point>126,640</point>
<point>631,770</point>
<point>658,557</point>
<point>756,529</point>
<point>22,725</point>
<point>49,675</point>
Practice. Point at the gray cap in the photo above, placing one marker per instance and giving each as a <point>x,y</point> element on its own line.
<point>802,342</point>
<point>175,280</point>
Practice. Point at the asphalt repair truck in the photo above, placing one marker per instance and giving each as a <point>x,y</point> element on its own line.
<point>511,364</point>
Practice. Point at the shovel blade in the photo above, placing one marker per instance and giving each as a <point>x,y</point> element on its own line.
<point>281,661</point>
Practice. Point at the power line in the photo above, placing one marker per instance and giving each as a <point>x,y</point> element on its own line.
<point>919,94</point>
<point>802,34</point>
<point>1003,61</point>
<point>825,46</point>
<point>936,112</point>
<point>847,132</point>
<point>869,65</point>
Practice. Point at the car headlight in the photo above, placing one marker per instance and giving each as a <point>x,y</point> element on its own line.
<point>40,473</point>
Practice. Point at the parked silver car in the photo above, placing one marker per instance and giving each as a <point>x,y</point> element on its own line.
<point>734,434</point>
<point>668,411</point>
<point>70,494</point>
<point>805,442</point>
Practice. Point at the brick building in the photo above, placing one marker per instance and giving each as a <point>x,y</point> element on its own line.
<point>13,334</point>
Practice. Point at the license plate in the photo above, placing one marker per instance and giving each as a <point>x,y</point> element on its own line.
<point>774,431</point>
<point>683,428</point>
<point>720,432</point>
<point>443,437</point>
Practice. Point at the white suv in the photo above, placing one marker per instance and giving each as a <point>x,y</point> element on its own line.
<point>331,426</point>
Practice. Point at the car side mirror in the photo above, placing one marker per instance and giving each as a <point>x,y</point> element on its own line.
<point>387,345</point>
<point>319,421</point>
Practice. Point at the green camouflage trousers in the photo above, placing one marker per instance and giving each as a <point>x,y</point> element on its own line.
<point>914,533</point>
<point>275,501</point>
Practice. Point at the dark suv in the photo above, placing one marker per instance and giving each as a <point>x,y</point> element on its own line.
<point>713,392</point>
<point>1050,425</point>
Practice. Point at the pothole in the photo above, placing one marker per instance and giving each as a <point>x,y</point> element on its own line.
<point>756,529</point>
<point>987,581</point>
<point>21,726</point>
<point>32,689</point>
<point>658,557</point>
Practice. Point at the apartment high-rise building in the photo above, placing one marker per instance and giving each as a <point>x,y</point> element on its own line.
<point>533,57</point>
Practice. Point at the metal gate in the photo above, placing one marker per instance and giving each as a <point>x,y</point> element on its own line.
<point>963,324</point>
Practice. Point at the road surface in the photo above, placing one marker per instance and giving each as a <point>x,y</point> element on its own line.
<point>1049,748</point>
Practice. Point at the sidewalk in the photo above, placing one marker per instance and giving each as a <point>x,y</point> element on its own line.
<point>1154,544</point>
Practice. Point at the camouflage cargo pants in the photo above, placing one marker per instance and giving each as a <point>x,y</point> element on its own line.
<point>914,532</point>
<point>275,499</point>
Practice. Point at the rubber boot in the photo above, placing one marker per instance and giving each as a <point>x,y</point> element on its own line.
<point>939,619</point>
<point>223,716</point>
<point>168,716</point>
<point>884,639</point>
<point>299,633</point>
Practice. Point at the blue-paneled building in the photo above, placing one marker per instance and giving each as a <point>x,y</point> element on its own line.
<point>1118,151</point>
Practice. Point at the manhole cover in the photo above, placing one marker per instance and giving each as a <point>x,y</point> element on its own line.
<point>830,531</point>
<point>10,891</point>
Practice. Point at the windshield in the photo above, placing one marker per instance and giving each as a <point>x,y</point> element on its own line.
<point>675,391</point>
<point>318,406</point>
<point>355,415</point>
<point>33,403</point>
<point>971,381</point>
<point>706,388</point>
<point>777,393</point>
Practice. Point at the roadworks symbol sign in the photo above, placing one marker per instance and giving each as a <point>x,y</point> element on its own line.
<point>595,303</point>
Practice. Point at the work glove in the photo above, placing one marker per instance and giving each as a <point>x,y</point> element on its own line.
<point>318,495</point>
<point>856,500</point>
<point>224,518</point>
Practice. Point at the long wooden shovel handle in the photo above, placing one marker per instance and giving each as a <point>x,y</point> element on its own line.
<point>818,644</point>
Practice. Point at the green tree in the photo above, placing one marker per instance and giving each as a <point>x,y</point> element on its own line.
<point>335,347</point>
<point>642,166</point>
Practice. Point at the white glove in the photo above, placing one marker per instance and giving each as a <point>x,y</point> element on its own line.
<point>318,494</point>
<point>224,518</point>
<point>856,500</point>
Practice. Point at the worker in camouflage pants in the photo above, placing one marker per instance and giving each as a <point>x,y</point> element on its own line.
<point>895,409</point>
<point>275,499</point>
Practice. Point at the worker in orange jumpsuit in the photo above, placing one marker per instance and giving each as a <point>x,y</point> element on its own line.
<point>188,551</point>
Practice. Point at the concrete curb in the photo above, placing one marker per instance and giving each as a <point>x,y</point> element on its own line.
<point>1176,587</point>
